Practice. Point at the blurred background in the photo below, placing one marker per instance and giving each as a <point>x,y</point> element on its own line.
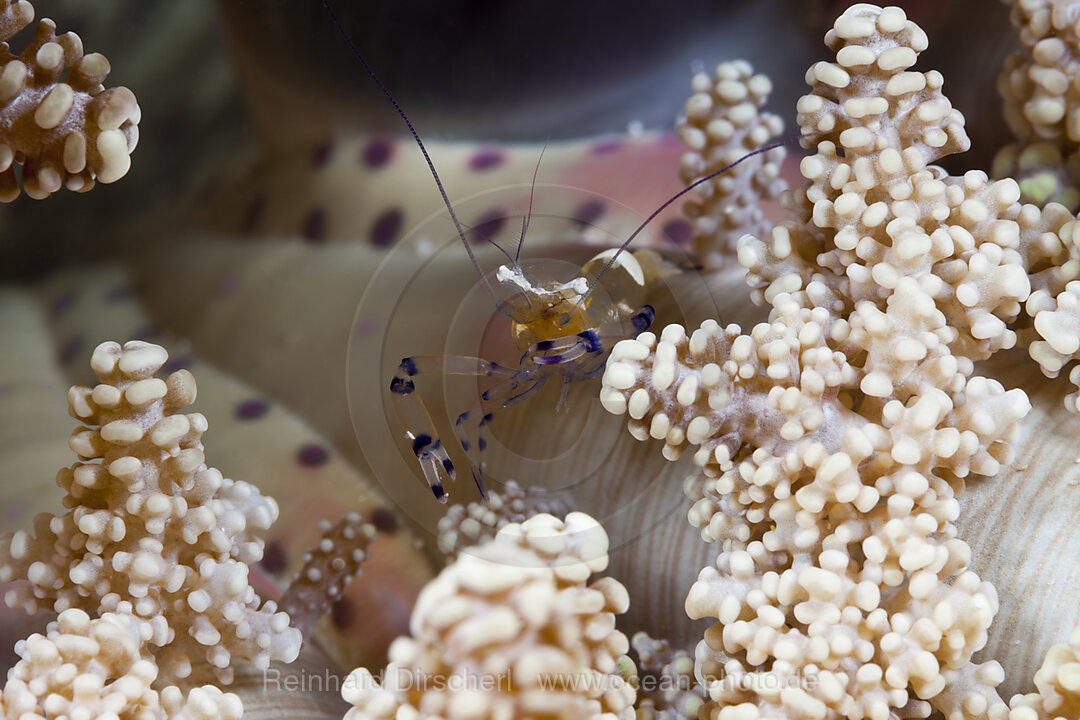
<point>225,85</point>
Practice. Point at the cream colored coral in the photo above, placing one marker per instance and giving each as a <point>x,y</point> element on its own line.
<point>666,686</point>
<point>152,531</point>
<point>93,668</point>
<point>64,131</point>
<point>717,389</point>
<point>1042,104</point>
<point>721,123</point>
<point>830,437</point>
<point>511,629</point>
<point>465,526</point>
<point>1040,97</point>
<point>875,210</point>
<point>809,501</point>
<point>1050,244</point>
<point>1057,683</point>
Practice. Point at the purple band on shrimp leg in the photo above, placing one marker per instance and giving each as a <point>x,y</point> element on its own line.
<point>507,394</point>
<point>452,365</point>
<point>416,422</point>
<point>419,430</point>
<point>581,347</point>
<point>561,343</point>
<point>512,396</point>
<point>615,330</point>
<point>501,395</point>
<point>643,320</point>
<point>471,450</point>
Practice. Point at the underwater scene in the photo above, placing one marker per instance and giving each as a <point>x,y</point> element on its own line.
<point>562,361</point>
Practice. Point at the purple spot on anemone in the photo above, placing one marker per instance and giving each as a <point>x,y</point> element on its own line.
<point>251,409</point>
<point>377,153</point>
<point>607,145</point>
<point>253,214</point>
<point>228,285</point>
<point>341,613</point>
<point>678,231</point>
<point>14,509</point>
<point>312,455</point>
<point>386,227</point>
<point>70,349</point>
<point>273,559</point>
<point>384,521</point>
<point>313,228</point>
<point>366,326</point>
<point>489,225</point>
<point>486,159</point>
<point>120,292</point>
<point>178,362</point>
<point>589,212</point>
<point>61,303</point>
<point>321,154</point>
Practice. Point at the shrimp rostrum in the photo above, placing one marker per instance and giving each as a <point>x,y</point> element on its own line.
<point>564,329</point>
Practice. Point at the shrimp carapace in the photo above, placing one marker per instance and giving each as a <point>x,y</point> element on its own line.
<point>545,310</point>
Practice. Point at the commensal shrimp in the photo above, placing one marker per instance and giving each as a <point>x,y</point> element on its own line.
<point>563,329</point>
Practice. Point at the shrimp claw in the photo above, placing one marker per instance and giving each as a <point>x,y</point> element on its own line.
<point>415,419</point>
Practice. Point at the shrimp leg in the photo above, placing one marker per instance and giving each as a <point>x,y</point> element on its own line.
<point>415,419</point>
<point>570,348</point>
<point>502,395</point>
<point>572,352</point>
<point>574,357</point>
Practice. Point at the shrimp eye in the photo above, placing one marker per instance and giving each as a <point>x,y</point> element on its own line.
<point>564,318</point>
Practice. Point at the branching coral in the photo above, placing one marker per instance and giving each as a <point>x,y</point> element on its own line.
<point>1058,685</point>
<point>823,517</point>
<point>666,686</point>
<point>1041,103</point>
<point>832,438</point>
<point>84,668</point>
<point>511,629</point>
<point>466,525</point>
<point>328,569</point>
<point>1052,254</point>
<point>721,124</point>
<point>1040,97</point>
<point>152,531</point>
<point>64,131</point>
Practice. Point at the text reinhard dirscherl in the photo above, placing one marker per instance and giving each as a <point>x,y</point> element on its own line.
<point>291,681</point>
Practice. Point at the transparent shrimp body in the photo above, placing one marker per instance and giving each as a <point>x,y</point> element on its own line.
<point>548,309</point>
<point>564,330</point>
<point>561,328</point>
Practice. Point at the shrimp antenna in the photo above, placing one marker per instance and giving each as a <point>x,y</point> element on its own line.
<point>419,143</point>
<point>525,220</point>
<point>478,233</point>
<point>678,195</point>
